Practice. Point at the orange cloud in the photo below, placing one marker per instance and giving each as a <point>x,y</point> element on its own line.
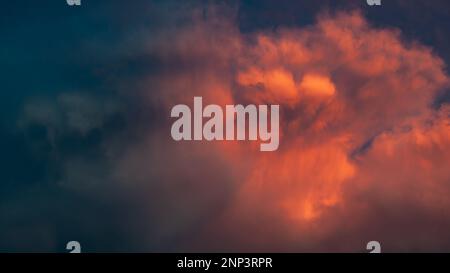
<point>357,128</point>
<point>278,84</point>
<point>317,85</point>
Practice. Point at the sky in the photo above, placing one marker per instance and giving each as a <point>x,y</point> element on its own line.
<point>87,155</point>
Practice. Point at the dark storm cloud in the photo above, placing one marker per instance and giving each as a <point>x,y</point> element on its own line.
<point>71,112</point>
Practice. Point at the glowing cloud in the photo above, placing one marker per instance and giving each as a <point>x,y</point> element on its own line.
<point>353,100</point>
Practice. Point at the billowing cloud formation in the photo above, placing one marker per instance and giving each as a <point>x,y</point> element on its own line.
<point>363,151</point>
<point>344,83</point>
<point>358,136</point>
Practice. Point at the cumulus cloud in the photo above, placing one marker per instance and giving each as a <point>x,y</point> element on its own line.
<point>358,132</point>
<point>362,151</point>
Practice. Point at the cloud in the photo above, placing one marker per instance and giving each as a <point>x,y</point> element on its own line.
<point>353,98</point>
<point>362,151</point>
<point>70,113</point>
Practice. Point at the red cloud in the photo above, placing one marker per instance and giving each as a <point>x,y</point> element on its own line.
<point>358,131</point>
